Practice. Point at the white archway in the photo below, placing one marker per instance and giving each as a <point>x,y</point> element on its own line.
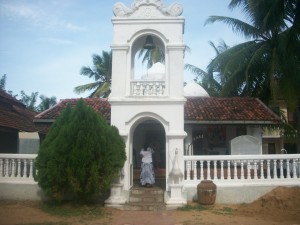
<point>147,128</point>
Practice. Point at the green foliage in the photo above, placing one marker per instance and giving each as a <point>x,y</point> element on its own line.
<point>267,65</point>
<point>3,82</point>
<point>80,156</point>
<point>100,73</point>
<point>46,103</point>
<point>193,207</point>
<point>29,100</point>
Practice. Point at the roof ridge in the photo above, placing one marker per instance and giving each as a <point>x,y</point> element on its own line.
<point>267,108</point>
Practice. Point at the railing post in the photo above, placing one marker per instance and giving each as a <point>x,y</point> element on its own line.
<point>201,170</point>
<point>255,170</point>
<point>228,170</point>
<point>235,176</point>
<point>31,168</point>
<point>222,169</point>
<point>195,170</point>
<point>208,177</point>
<point>275,177</point>
<point>188,169</point>
<point>248,170</point>
<point>13,168</point>
<point>262,176</point>
<point>19,167</point>
<point>6,174</point>
<point>1,167</point>
<point>268,170</point>
<point>215,170</point>
<point>281,169</point>
<point>294,169</point>
<point>242,171</point>
<point>25,169</point>
<point>288,174</point>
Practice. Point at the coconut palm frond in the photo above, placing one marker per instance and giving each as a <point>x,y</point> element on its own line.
<point>101,73</point>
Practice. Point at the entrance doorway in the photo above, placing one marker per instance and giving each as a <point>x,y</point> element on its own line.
<point>150,132</point>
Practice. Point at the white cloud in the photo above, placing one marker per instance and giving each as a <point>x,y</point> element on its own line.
<point>18,10</point>
<point>36,16</point>
<point>57,41</point>
<point>72,27</point>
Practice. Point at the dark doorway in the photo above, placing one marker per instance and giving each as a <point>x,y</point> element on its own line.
<point>150,132</point>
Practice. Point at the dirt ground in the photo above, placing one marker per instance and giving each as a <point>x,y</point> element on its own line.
<point>281,206</point>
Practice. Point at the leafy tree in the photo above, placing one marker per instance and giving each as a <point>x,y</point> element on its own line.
<point>211,80</point>
<point>3,82</point>
<point>152,56</point>
<point>267,65</point>
<point>101,73</point>
<point>29,100</point>
<point>46,103</point>
<point>80,156</point>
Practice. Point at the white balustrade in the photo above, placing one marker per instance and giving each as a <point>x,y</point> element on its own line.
<point>17,167</point>
<point>245,168</point>
<point>147,88</point>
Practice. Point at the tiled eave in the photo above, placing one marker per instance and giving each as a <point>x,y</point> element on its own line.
<point>232,122</point>
<point>197,110</point>
<point>240,110</point>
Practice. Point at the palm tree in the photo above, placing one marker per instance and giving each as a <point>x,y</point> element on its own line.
<point>154,55</point>
<point>29,100</point>
<point>151,56</point>
<point>267,65</point>
<point>101,73</point>
<point>46,103</point>
<point>212,80</point>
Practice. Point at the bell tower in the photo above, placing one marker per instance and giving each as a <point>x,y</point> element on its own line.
<point>155,94</point>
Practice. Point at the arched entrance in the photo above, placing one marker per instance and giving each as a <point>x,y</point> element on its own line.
<point>149,132</point>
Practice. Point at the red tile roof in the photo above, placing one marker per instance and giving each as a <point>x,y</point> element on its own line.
<point>238,109</point>
<point>14,115</point>
<point>197,109</point>
<point>100,105</point>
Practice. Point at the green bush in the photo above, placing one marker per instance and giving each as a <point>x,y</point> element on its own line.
<point>80,156</point>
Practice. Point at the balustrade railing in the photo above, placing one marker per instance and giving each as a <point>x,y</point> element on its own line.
<point>243,167</point>
<point>17,167</point>
<point>147,88</point>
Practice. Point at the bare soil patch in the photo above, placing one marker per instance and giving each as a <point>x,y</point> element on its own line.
<point>281,206</point>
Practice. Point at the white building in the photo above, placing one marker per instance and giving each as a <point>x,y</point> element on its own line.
<point>196,137</point>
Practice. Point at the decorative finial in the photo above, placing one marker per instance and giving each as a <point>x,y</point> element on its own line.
<point>174,10</point>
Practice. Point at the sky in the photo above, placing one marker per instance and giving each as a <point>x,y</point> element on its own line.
<point>44,43</point>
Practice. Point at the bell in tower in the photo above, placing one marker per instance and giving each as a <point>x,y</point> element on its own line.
<point>148,107</point>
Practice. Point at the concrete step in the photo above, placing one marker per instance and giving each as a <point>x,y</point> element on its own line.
<point>146,199</point>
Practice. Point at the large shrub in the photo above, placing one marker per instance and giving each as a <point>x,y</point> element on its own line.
<point>80,155</point>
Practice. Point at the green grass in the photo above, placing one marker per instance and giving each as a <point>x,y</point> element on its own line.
<point>224,211</point>
<point>70,210</point>
<point>194,207</point>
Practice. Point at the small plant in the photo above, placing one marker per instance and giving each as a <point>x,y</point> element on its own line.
<point>224,211</point>
<point>193,207</point>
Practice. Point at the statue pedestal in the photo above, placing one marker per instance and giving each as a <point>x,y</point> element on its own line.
<point>176,199</point>
<point>116,199</point>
